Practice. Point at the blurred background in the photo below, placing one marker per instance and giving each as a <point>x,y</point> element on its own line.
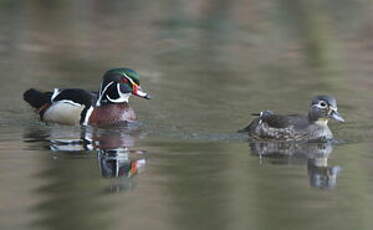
<point>208,65</point>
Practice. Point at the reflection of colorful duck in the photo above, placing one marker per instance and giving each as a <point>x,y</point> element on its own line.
<point>116,163</point>
<point>315,155</point>
<point>115,159</point>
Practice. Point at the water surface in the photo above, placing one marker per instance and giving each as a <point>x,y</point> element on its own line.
<point>208,65</point>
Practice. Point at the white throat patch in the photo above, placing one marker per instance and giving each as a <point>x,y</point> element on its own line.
<point>123,97</point>
<point>322,122</point>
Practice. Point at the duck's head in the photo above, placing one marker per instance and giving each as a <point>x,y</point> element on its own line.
<point>118,85</point>
<point>324,108</point>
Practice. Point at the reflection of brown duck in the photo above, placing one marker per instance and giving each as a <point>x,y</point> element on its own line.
<point>315,155</point>
<point>321,175</point>
<point>283,149</point>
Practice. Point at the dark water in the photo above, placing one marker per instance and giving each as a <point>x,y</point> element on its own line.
<point>208,64</point>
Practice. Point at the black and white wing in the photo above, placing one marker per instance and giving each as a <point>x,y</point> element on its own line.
<point>74,96</point>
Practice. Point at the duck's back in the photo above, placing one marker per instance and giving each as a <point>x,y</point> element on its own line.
<point>69,106</point>
<point>295,121</point>
<point>63,106</point>
<point>292,127</point>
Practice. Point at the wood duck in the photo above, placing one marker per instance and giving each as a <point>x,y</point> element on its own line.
<point>312,127</point>
<point>72,106</point>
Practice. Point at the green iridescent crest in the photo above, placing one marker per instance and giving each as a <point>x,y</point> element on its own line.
<point>127,72</point>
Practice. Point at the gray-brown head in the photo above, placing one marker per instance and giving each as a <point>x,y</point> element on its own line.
<point>324,108</point>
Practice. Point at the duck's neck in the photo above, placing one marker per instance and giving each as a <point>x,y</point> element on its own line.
<point>105,104</point>
<point>322,122</point>
<point>316,119</point>
<point>107,100</point>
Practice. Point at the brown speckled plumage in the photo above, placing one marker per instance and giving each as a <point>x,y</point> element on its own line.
<point>311,127</point>
<point>287,128</point>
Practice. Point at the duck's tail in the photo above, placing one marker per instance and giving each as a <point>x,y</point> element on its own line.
<point>36,98</point>
<point>262,116</point>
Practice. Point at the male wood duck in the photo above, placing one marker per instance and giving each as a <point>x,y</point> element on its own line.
<point>312,127</point>
<point>108,106</point>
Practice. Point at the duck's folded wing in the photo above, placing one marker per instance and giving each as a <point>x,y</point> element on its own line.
<point>274,121</point>
<point>267,117</point>
<point>277,121</point>
<point>285,121</point>
<point>77,96</point>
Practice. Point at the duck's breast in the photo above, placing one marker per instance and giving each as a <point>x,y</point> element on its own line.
<point>112,114</point>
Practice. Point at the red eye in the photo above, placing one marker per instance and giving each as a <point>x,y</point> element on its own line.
<point>124,80</point>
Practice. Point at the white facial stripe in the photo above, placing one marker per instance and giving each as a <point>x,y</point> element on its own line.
<point>98,103</point>
<point>123,97</point>
<point>129,79</point>
<point>139,92</point>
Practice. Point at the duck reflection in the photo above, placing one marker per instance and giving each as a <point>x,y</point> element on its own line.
<point>115,159</point>
<point>313,155</point>
<point>113,147</point>
<point>117,163</point>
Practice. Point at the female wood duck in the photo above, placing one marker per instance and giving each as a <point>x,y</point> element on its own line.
<point>73,106</point>
<point>311,127</point>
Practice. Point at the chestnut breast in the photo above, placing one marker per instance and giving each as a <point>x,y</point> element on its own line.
<point>112,114</point>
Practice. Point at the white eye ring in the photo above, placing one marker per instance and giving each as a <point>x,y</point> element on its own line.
<point>322,104</point>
